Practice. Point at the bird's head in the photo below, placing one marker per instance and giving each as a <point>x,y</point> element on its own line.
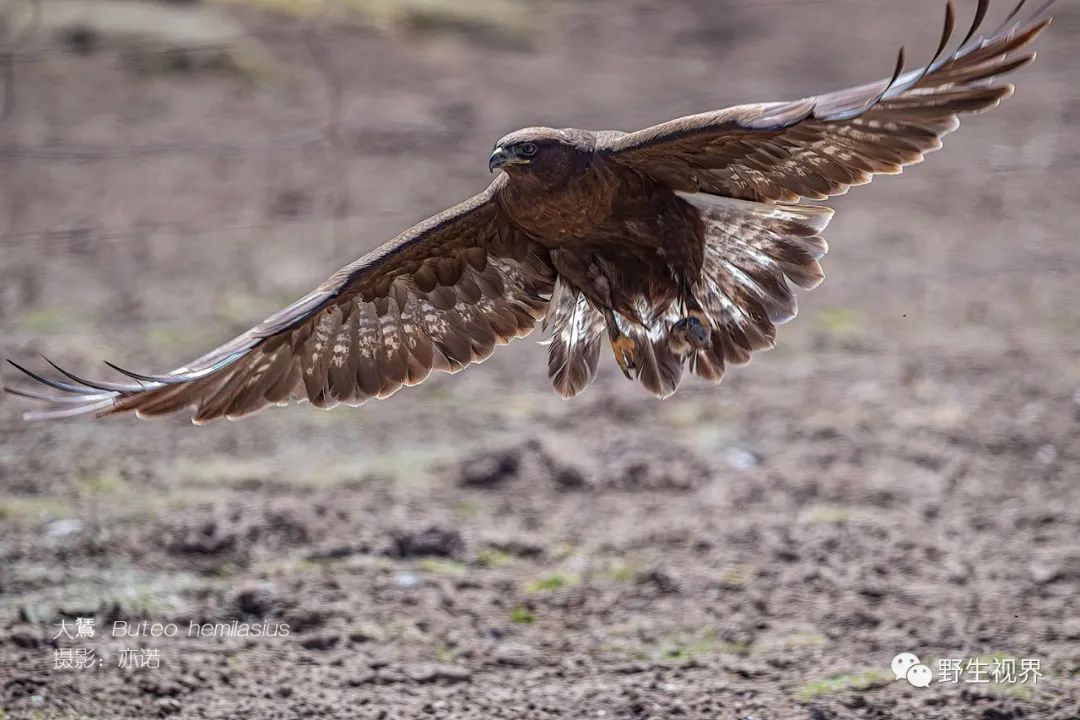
<point>543,154</point>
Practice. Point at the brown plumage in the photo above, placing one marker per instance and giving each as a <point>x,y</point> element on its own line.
<point>679,241</point>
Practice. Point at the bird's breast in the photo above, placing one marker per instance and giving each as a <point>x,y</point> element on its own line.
<point>611,213</point>
<point>563,214</point>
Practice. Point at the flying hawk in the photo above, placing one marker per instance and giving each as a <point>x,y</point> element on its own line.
<point>678,242</point>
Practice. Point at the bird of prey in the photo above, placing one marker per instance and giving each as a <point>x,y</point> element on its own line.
<point>679,243</point>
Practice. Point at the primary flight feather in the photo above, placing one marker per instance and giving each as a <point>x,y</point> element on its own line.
<point>678,242</point>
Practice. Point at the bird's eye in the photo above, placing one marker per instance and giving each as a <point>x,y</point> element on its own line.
<point>527,149</point>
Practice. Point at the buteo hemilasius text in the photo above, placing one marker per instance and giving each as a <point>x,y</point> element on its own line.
<point>677,241</point>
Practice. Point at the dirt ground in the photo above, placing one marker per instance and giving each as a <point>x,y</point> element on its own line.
<point>900,474</point>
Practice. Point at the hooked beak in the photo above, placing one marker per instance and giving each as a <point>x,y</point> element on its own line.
<point>499,159</point>
<point>503,157</point>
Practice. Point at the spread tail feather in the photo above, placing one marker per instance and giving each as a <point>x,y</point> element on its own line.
<point>752,251</point>
<point>658,367</point>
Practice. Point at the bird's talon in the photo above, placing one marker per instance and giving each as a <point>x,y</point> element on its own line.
<point>691,333</point>
<point>624,355</point>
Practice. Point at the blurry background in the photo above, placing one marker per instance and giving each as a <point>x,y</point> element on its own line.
<point>900,474</point>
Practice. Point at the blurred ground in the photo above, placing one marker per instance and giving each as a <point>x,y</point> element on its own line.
<point>900,474</point>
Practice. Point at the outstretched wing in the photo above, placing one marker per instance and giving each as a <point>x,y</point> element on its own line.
<point>440,296</point>
<point>821,146</point>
